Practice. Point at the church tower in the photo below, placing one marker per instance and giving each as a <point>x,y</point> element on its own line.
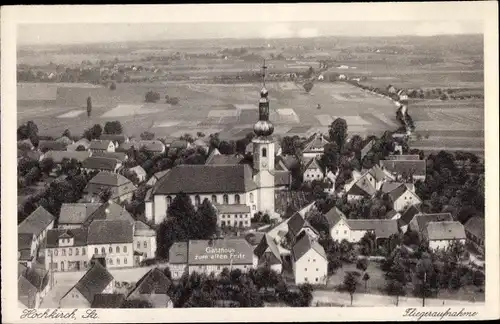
<point>263,153</point>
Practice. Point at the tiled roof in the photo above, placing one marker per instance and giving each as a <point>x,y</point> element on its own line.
<point>383,228</point>
<point>232,209</point>
<point>415,167</point>
<point>449,230</point>
<point>423,219</point>
<point>315,143</point>
<point>333,216</point>
<point>120,156</point>
<point>475,226</point>
<point>110,232</point>
<point>81,142</point>
<point>119,138</point>
<point>99,144</point>
<point>76,213</point>
<point>198,253</point>
<point>107,301</point>
<point>94,281</point>
<point>179,144</point>
<point>24,241</point>
<point>289,161</point>
<point>368,146</point>
<point>267,251</point>
<point>282,178</point>
<point>362,187</point>
<point>302,246</point>
<point>38,277</point>
<point>225,159</point>
<point>390,186</point>
<point>36,222</point>
<point>58,156</point>
<point>51,145</point>
<point>207,179</point>
<point>110,211</point>
<point>178,253</point>
<point>295,223</point>
<point>100,163</point>
<point>118,184</point>
<point>407,215</point>
<point>153,282</point>
<point>377,172</point>
<point>398,192</point>
<point>152,146</point>
<point>79,236</point>
<point>142,229</point>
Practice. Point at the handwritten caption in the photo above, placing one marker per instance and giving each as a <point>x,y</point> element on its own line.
<point>419,315</point>
<point>57,313</point>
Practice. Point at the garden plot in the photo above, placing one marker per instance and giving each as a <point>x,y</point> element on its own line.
<point>128,110</point>
<point>71,114</point>
<point>324,120</point>
<point>222,113</point>
<point>169,123</point>
<point>286,115</point>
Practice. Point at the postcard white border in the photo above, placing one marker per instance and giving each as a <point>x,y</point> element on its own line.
<point>436,11</point>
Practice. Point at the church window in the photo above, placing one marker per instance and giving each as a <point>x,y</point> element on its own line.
<point>103,250</point>
<point>197,200</point>
<point>253,207</point>
<point>83,251</point>
<point>214,199</point>
<point>96,251</point>
<point>169,200</point>
<point>225,199</point>
<point>138,244</point>
<point>125,249</point>
<point>110,249</point>
<point>70,251</point>
<point>110,261</point>
<point>117,249</point>
<point>237,199</point>
<point>264,152</point>
<point>145,244</point>
<point>223,223</point>
<point>251,197</point>
<point>118,261</point>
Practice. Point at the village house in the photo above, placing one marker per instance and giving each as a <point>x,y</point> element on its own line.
<point>366,148</point>
<point>26,249</point>
<point>139,172</point>
<point>407,216</point>
<point>400,169</point>
<point>50,145</point>
<point>102,146</point>
<point>109,210</point>
<point>38,223</point>
<point>120,188</point>
<point>314,146</point>
<point>201,144</point>
<point>81,143</point>
<point>120,156</point>
<point>59,156</point>
<point>66,250</point>
<point>419,222</point>
<point>297,224</point>
<point>97,280</point>
<point>95,163</point>
<point>178,259</point>
<point>400,195</point>
<point>112,239</point>
<point>361,187</point>
<point>313,170</point>
<point>40,279</point>
<point>441,234</point>
<point>155,177</point>
<point>238,216</point>
<point>153,287</point>
<point>282,179</point>
<point>474,231</point>
<point>108,300</point>
<point>144,240</point>
<point>268,254</point>
<point>117,139</point>
<point>310,264</point>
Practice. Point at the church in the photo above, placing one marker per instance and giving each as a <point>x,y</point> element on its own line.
<point>249,189</point>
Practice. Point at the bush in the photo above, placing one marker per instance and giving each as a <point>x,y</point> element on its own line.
<point>152,96</point>
<point>172,100</point>
<point>362,264</point>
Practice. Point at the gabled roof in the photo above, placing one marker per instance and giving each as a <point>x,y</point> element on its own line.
<point>225,159</point>
<point>142,229</point>
<point>59,156</point>
<point>312,164</point>
<point>109,179</point>
<point>423,219</point>
<point>398,192</point>
<point>107,301</point>
<point>206,179</point>
<point>119,138</point>
<point>36,222</point>
<point>289,161</point>
<point>38,277</point>
<point>305,244</point>
<point>153,282</point>
<point>448,230</point>
<point>110,211</point>
<point>362,187</point>
<point>24,241</point>
<point>415,167</point>
<point>99,144</point>
<point>100,163</point>
<point>333,216</point>
<point>152,146</point>
<point>407,215</point>
<point>475,226</point>
<point>110,232</point>
<point>79,236</point>
<point>232,209</point>
<point>76,213</point>
<point>383,228</point>
<point>390,186</point>
<point>377,172</point>
<point>51,145</point>
<point>120,156</point>
<point>215,151</point>
<point>295,223</point>
<point>368,146</point>
<point>178,253</point>
<point>315,143</point>
<point>27,293</point>
<point>82,141</point>
<point>93,282</point>
<point>267,245</point>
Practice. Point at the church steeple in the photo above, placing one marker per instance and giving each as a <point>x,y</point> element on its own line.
<point>263,127</point>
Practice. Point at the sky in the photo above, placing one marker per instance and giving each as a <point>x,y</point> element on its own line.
<point>32,34</point>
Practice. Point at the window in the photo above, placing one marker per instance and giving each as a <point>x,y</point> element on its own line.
<point>125,249</point>
<point>118,261</point>
<point>345,232</point>
<point>138,244</point>
<point>145,244</point>
<point>337,232</point>
<point>64,252</point>
<point>237,199</point>
<point>84,264</point>
<point>246,222</point>
<point>314,260</point>
<point>110,249</point>
<point>222,223</point>
<point>253,207</point>
<point>70,251</point>
<point>77,251</point>
<point>218,267</point>
<point>124,260</point>
<point>54,266</point>
<point>225,199</point>
<point>264,152</point>
<point>103,250</point>
<point>305,279</point>
<point>317,269</point>
<point>241,216</point>
<point>62,265</point>
<point>169,200</point>
<point>316,279</point>
<point>251,198</point>
<point>96,251</point>
<point>305,269</point>
<point>214,199</point>
<point>197,200</point>
<point>117,249</point>
<point>110,261</point>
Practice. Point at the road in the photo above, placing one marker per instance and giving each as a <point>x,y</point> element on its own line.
<point>331,297</point>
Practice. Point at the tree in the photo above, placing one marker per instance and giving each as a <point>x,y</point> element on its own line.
<point>206,221</point>
<point>330,158</point>
<point>46,165</point>
<point>350,284</point>
<point>395,288</point>
<point>306,295</point>
<point>366,277</point>
<point>152,96</point>
<point>66,133</point>
<point>105,195</point>
<point>113,127</point>
<point>227,147</point>
<point>81,148</point>
<point>308,86</point>
<point>338,132</point>
<point>89,106</point>
<point>147,136</point>
<point>362,264</point>
<point>167,273</point>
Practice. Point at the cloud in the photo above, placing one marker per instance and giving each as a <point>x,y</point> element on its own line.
<point>278,31</point>
<point>308,32</point>
<point>437,28</point>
